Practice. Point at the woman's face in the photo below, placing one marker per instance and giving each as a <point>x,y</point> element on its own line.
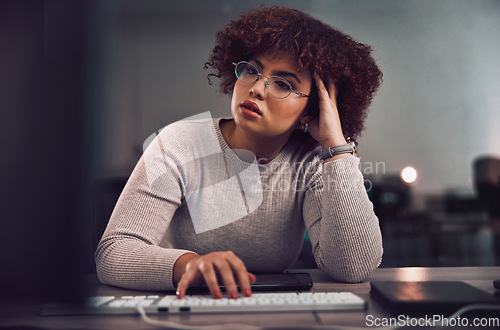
<point>269,116</point>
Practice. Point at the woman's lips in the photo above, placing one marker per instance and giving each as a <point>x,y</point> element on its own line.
<point>250,109</point>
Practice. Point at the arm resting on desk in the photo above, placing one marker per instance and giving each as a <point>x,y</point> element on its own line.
<point>345,234</point>
<point>129,255</point>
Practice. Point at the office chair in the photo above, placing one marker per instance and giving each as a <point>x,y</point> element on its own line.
<point>487,182</point>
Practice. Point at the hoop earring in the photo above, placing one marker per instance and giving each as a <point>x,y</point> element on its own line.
<point>305,126</point>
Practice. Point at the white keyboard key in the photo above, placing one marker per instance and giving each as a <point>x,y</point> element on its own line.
<point>117,303</point>
<point>98,301</point>
<point>146,302</point>
<point>131,303</point>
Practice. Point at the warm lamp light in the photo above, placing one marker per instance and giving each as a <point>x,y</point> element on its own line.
<point>409,174</point>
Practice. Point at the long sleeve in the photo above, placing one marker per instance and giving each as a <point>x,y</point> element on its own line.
<point>129,254</point>
<point>339,217</point>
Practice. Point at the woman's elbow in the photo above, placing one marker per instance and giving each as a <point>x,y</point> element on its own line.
<point>106,271</point>
<point>352,271</point>
<point>103,270</point>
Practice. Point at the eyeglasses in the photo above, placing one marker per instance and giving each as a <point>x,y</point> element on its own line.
<point>278,87</point>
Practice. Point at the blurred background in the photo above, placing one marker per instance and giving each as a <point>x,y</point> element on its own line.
<point>437,111</point>
<point>84,83</point>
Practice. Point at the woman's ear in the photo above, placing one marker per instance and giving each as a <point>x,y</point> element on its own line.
<point>303,120</point>
<point>306,118</point>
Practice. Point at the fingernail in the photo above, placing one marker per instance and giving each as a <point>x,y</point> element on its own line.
<point>217,294</point>
<point>248,293</point>
<point>234,295</point>
<point>178,294</point>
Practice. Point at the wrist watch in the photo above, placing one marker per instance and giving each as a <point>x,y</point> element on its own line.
<point>348,148</point>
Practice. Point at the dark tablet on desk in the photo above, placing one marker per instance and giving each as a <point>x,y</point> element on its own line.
<point>428,297</point>
<point>271,282</point>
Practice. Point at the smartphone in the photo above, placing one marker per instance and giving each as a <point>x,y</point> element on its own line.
<point>270,282</point>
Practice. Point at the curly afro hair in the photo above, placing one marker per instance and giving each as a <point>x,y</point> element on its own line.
<point>316,47</point>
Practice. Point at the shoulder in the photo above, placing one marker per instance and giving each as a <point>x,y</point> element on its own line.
<point>194,135</point>
<point>174,150</point>
<point>189,130</point>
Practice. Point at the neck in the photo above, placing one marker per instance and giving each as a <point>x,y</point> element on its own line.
<point>265,148</point>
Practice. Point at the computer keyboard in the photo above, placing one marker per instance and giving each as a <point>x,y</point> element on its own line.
<point>258,302</point>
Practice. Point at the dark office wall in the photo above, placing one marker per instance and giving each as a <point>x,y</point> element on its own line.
<point>42,166</point>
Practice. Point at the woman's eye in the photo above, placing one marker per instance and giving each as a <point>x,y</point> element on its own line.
<point>251,71</point>
<point>282,85</point>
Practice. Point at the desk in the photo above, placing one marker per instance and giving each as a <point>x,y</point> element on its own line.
<point>480,277</point>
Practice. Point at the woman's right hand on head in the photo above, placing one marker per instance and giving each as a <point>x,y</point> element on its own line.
<point>196,269</point>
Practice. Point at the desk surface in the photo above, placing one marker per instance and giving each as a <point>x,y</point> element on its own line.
<point>480,277</point>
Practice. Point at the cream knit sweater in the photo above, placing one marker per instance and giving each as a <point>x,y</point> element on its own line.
<point>157,219</point>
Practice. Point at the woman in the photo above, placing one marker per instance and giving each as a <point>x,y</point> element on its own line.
<point>299,89</point>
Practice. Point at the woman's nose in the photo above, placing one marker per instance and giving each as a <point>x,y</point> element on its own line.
<point>259,88</point>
